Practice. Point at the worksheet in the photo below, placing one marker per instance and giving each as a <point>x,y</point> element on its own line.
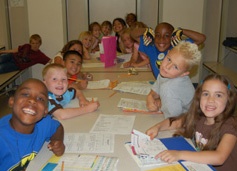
<point>89,143</point>
<point>113,124</point>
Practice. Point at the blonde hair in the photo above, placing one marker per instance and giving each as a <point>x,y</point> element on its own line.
<point>35,37</point>
<point>190,53</point>
<point>51,66</point>
<point>84,34</point>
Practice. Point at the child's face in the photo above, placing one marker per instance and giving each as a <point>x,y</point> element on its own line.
<point>162,37</point>
<point>76,47</point>
<point>29,103</point>
<point>96,31</point>
<point>73,64</point>
<point>87,41</point>
<point>173,65</point>
<point>35,44</point>
<point>106,30</point>
<point>118,27</point>
<point>127,41</point>
<point>214,98</point>
<point>129,20</point>
<point>56,81</point>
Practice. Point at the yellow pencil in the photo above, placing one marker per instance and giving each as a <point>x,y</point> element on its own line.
<point>62,166</point>
<point>113,94</point>
<point>73,79</point>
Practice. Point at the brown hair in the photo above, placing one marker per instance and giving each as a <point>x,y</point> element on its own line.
<point>35,37</point>
<point>195,113</point>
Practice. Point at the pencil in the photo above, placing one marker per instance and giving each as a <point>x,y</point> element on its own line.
<point>73,79</point>
<point>113,94</point>
<point>62,166</point>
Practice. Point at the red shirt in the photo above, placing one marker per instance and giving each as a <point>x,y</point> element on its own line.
<point>25,57</point>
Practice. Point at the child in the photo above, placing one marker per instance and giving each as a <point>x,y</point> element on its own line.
<point>173,90</point>
<point>72,62</point>
<point>157,50</point>
<point>23,133</point>
<point>127,43</point>
<point>23,57</point>
<point>106,28</point>
<point>118,26</point>
<point>211,124</point>
<point>95,29</point>
<point>130,19</point>
<point>55,79</point>
<point>138,59</point>
<point>71,45</point>
<point>86,38</point>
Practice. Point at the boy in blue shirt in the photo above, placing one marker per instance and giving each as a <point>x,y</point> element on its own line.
<point>23,133</point>
<point>156,45</point>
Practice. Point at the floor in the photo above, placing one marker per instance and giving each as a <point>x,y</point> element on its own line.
<point>4,109</point>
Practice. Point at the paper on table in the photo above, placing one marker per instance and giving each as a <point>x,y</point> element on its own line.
<point>132,104</point>
<point>134,87</point>
<point>114,124</point>
<point>82,162</point>
<point>89,143</point>
<point>196,166</point>
<point>101,84</point>
<point>93,65</point>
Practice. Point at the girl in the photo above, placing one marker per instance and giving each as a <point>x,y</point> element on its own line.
<point>71,45</point>
<point>95,29</point>
<point>106,28</point>
<point>210,122</point>
<point>138,59</point>
<point>72,62</point>
<point>118,26</point>
<point>86,38</point>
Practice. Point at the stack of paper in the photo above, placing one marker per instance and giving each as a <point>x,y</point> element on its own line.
<point>132,105</point>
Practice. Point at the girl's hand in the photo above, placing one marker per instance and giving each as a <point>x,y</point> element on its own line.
<point>82,84</point>
<point>152,132</point>
<point>57,147</point>
<point>169,156</point>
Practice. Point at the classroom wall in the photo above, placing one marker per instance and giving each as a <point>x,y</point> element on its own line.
<point>47,18</point>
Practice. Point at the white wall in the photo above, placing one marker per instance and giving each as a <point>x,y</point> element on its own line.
<point>46,17</point>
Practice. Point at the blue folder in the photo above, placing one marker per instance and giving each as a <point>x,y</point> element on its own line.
<point>179,143</point>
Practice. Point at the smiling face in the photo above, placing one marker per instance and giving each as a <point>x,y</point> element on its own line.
<point>118,26</point>
<point>73,64</point>
<point>106,30</point>
<point>173,65</point>
<point>29,105</point>
<point>214,98</point>
<point>56,81</point>
<point>127,40</point>
<point>96,31</point>
<point>163,35</point>
<point>87,41</point>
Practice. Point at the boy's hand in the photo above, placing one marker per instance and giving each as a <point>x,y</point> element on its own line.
<point>176,36</point>
<point>148,36</point>
<point>57,147</point>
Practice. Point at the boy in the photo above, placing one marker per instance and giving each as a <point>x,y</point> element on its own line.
<point>157,50</point>
<point>72,61</point>
<point>55,79</point>
<point>173,91</point>
<point>23,57</point>
<point>23,133</point>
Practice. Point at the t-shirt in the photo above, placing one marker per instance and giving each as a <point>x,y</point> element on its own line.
<point>203,132</point>
<point>18,149</point>
<point>27,57</point>
<point>59,102</point>
<point>176,94</point>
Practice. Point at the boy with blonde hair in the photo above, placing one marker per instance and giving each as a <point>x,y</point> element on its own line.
<point>173,90</point>
<point>55,79</point>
